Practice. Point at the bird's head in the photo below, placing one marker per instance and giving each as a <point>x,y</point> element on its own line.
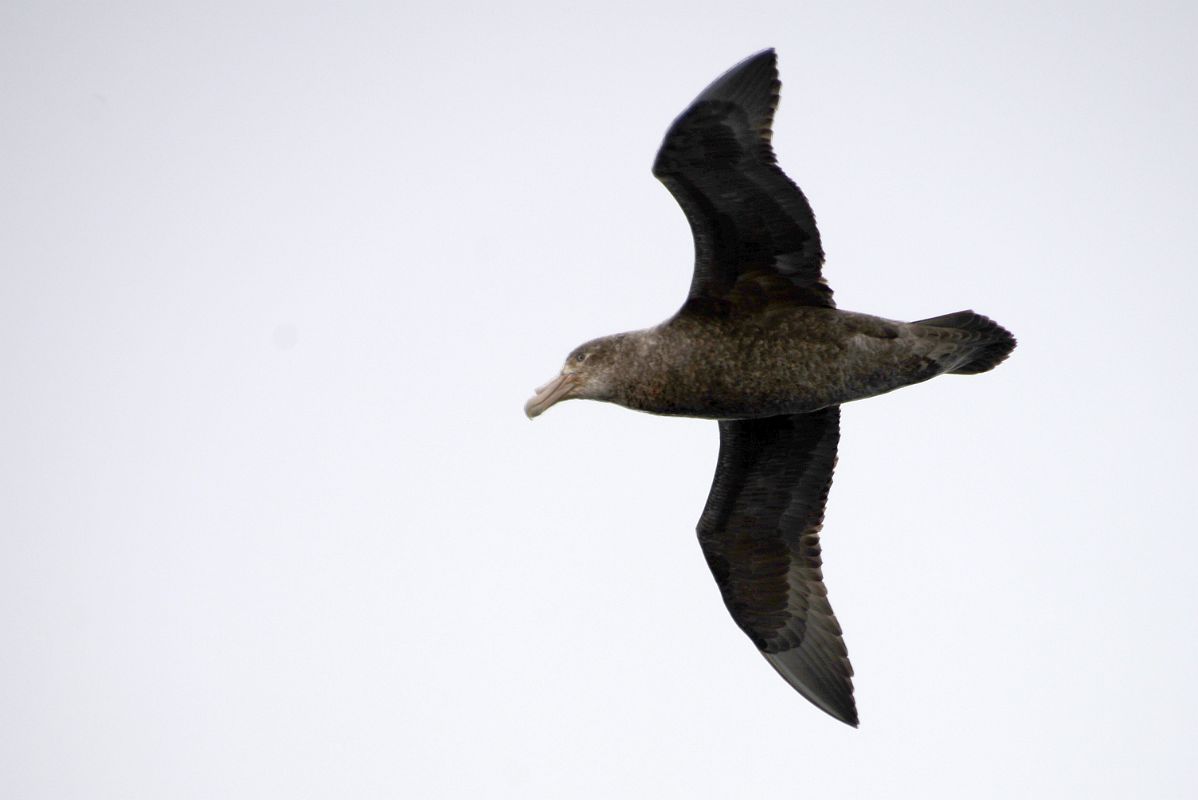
<point>589,373</point>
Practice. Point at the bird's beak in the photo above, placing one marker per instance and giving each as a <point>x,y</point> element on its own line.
<point>557,389</point>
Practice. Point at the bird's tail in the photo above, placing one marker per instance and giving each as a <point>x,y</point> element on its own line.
<point>984,345</point>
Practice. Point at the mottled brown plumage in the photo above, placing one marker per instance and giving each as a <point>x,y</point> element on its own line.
<point>759,345</point>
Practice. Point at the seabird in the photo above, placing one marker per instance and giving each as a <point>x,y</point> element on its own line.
<point>759,346</point>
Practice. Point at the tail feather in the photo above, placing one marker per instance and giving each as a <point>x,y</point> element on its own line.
<point>987,345</point>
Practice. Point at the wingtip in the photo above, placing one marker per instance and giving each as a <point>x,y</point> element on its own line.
<point>752,83</point>
<point>768,55</point>
<point>848,719</point>
<point>829,691</point>
<point>750,66</point>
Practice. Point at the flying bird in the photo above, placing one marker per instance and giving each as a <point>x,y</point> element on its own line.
<point>760,346</point>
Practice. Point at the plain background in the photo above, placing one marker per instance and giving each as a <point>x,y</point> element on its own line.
<point>277,278</point>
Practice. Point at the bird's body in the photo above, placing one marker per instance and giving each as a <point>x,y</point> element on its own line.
<point>760,346</point>
<point>778,360</point>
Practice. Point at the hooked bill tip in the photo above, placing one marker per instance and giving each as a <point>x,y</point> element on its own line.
<point>557,389</point>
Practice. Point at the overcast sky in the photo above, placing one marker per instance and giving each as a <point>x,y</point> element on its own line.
<point>278,277</point>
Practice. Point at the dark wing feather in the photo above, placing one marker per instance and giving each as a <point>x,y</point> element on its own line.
<point>751,223</point>
<point>760,534</point>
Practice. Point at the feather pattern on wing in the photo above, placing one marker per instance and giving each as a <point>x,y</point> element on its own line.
<point>750,222</point>
<point>760,535</point>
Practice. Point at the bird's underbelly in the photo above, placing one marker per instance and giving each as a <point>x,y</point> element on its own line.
<point>732,380</point>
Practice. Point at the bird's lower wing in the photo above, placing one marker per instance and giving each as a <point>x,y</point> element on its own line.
<point>760,534</point>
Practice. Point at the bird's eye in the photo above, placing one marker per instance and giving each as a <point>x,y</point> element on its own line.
<point>580,357</point>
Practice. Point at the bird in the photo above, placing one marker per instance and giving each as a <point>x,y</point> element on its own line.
<point>760,346</point>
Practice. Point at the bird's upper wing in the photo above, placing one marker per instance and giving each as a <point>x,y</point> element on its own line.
<point>751,224</point>
<point>760,534</point>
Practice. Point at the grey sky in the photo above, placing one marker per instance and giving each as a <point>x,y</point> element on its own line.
<point>277,279</point>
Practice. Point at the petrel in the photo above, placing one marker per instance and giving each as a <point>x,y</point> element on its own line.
<point>760,346</point>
